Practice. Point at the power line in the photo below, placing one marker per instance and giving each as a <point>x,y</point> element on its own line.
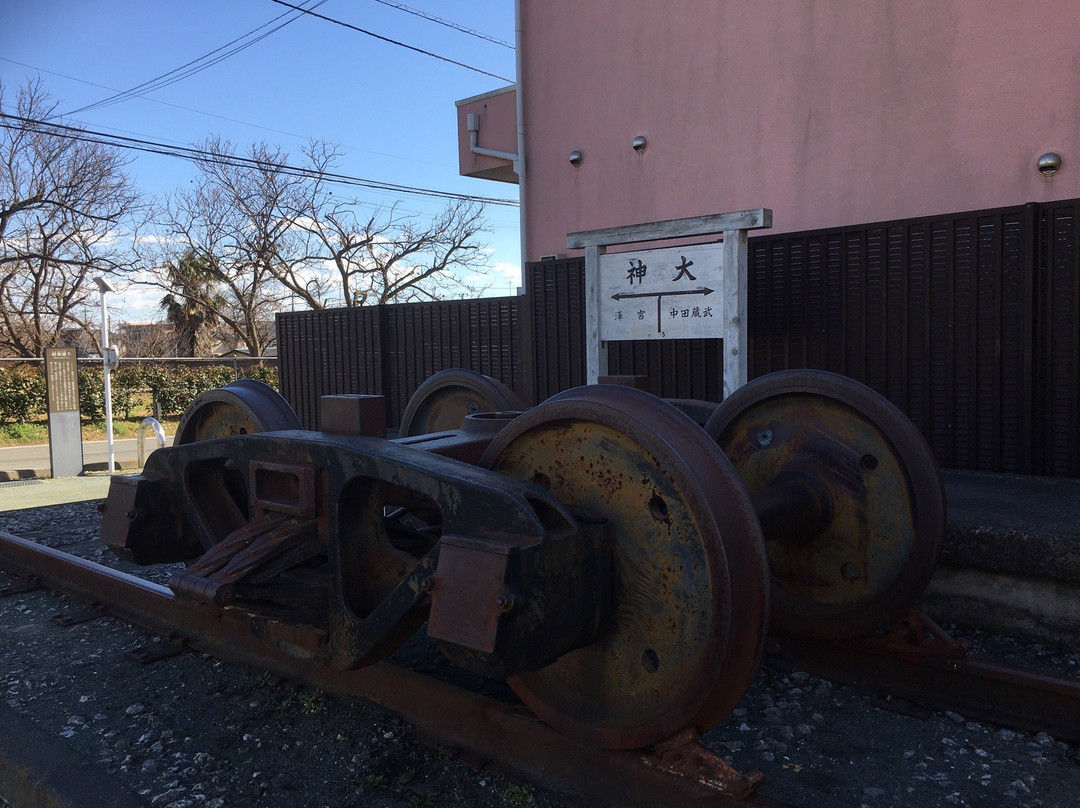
<point>218,117</point>
<point>394,42</point>
<point>202,155</point>
<point>195,65</point>
<point>447,23</point>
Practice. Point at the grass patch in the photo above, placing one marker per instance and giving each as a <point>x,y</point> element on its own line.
<point>517,795</point>
<point>37,432</point>
<point>23,434</point>
<point>371,782</point>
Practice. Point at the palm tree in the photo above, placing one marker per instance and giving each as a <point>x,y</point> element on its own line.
<point>193,304</point>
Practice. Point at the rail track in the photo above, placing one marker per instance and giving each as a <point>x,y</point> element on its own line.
<point>492,731</point>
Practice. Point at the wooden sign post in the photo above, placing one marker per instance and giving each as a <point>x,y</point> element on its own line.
<point>690,292</point>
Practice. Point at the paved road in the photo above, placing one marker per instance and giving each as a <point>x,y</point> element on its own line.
<point>125,451</point>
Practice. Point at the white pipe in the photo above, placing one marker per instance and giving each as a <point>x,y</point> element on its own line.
<point>108,384</point>
<point>519,164</point>
<point>474,135</point>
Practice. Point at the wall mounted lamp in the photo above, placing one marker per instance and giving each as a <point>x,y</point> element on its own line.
<point>640,143</point>
<point>1049,164</point>
<point>577,156</point>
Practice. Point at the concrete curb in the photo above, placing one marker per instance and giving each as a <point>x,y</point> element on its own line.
<point>13,475</point>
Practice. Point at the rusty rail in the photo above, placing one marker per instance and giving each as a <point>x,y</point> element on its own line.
<point>502,734</point>
<point>919,662</point>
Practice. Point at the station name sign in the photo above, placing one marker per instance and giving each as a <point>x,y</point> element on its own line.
<point>670,293</point>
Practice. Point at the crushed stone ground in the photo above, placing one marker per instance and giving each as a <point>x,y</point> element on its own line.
<point>193,731</point>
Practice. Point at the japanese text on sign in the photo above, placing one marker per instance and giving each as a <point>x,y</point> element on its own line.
<point>662,294</point>
<point>62,379</point>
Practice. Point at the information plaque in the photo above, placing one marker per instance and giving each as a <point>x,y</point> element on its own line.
<point>697,291</point>
<point>65,427</point>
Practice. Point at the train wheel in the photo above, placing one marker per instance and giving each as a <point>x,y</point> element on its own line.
<point>877,544</point>
<point>690,586</point>
<point>441,403</point>
<point>239,408</point>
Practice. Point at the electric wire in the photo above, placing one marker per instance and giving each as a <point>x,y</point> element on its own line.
<point>218,117</point>
<point>195,65</point>
<point>432,18</point>
<point>352,27</point>
<point>202,155</point>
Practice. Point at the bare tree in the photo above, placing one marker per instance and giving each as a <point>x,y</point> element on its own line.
<point>233,217</point>
<point>349,259</point>
<point>387,257</point>
<point>63,203</point>
<point>269,231</point>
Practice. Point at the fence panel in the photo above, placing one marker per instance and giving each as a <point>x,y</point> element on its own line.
<point>390,350</point>
<point>932,313</point>
<point>970,323</point>
<point>326,353</point>
<point>1057,361</point>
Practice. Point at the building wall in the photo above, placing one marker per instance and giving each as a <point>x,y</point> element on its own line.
<point>828,112</point>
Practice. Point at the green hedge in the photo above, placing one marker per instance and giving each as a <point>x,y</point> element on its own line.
<point>173,387</point>
<point>22,393</point>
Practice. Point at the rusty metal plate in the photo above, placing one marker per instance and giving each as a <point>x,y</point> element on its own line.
<point>875,552</point>
<point>690,585</point>
<point>443,401</point>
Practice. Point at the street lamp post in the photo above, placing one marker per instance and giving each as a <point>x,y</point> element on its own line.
<point>105,287</point>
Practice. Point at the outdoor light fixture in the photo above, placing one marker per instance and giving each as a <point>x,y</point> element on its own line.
<point>1049,164</point>
<point>104,286</point>
<point>640,143</point>
<point>106,355</point>
<point>576,156</point>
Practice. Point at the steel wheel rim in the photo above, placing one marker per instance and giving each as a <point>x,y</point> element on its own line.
<point>855,578</point>
<point>241,407</point>
<point>686,636</point>
<point>442,401</point>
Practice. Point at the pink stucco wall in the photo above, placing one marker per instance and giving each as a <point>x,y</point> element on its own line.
<point>496,113</point>
<point>829,112</point>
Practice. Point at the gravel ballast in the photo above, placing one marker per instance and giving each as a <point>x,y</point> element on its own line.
<point>193,731</point>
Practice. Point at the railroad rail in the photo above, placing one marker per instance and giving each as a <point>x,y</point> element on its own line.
<point>916,660</point>
<point>513,740</point>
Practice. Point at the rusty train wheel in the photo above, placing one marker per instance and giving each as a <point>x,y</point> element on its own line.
<point>876,547</point>
<point>442,401</point>
<point>239,408</point>
<point>690,579</point>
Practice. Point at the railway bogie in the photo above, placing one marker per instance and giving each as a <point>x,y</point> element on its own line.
<point>601,550</point>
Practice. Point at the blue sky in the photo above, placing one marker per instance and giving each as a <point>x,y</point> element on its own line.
<point>389,109</point>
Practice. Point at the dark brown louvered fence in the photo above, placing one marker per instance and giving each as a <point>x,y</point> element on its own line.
<point>390,350</point>
<point>969,322</point>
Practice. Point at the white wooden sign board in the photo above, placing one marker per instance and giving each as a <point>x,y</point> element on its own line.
<point>674,293</point>
<point>693,292</point>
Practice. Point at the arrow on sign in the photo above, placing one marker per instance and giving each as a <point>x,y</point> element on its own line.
<point>704,290</point>
<point>625,296</point>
